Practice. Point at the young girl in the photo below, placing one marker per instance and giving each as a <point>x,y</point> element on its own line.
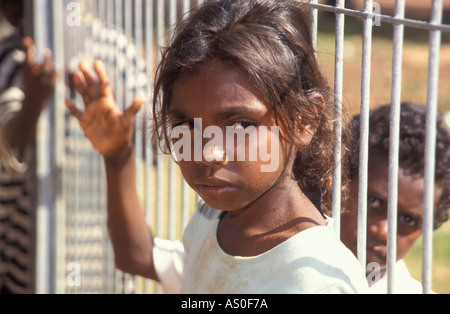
<point>232,65</point>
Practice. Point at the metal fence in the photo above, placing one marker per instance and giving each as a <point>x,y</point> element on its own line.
<point>74,253</point>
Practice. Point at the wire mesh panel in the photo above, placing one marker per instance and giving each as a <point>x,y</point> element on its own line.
<point>127,37</point>
<point>74,252</point>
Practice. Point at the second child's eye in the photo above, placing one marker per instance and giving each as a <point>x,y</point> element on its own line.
<point>374,202</point>
<point>409,221</point>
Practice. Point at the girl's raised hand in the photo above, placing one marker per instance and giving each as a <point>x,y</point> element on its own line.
<point>108,128</point>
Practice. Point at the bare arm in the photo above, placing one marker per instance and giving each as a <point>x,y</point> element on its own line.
<point>132,239</point>
<point>111,132</point>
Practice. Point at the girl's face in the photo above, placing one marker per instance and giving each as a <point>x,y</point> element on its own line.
<point>222,97</point>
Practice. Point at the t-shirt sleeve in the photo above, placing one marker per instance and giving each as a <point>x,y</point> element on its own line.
<point>169,260</point>
<point>170,257</point>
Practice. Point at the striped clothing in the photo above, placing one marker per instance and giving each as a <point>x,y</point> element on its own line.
<point>17,182</point>
<point>125,67</point>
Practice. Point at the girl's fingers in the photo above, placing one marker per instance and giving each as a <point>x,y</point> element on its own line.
<point>82,88</point>
<point>80,83</point>
<point>73,110</point>
<point>47,64</point>
<point>88,75</point>
<point>29,51</point>
<point>103,80</point>
<point>91,80</point>
<point>135,106</point>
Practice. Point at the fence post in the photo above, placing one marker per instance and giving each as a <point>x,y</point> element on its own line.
<point>364,134</point>
<point>430,147</point>
<point>394,144</point>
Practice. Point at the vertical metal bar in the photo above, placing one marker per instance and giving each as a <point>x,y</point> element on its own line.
<point>430,147</point>
<point>314,26</point>
<point>138,27</point>
<point>186,6</point>
<point>184,185</point>
<point>364,135</point>
<point>103,11</point>
<point>172,16</point>
<point>81,188</point>
<point>172,165</point>
<point>160,172</point>
<point>70,184</point>
<point>338,78</point>
<point>109,270</point>
<point>83,213</point>
<point>119,25</point>
<point>128,22</point>
<point>160,157</point>
<point>149,161</point>
<point>58,53</point>
<point>394,144</point>
<point>45,160</point>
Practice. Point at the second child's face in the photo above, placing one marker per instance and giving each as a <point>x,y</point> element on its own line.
<point>409,210</point>
<point>221,97</point>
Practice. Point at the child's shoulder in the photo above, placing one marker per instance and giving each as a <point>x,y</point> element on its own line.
<point>207,212</point>
<point>202,218</point>
<point>326,240</point>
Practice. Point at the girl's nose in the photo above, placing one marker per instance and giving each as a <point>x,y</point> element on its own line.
<point>379,229</point>
<point>214,155</point>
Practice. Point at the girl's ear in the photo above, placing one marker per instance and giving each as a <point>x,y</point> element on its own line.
<point>305,132</point>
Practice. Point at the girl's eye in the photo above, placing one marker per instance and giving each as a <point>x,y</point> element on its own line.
<point>241,125</point>
<point>187,124</point>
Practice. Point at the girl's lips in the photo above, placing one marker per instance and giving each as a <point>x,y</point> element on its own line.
<point>215,191</point>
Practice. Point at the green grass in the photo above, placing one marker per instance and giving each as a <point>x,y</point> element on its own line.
<point>441,258</point>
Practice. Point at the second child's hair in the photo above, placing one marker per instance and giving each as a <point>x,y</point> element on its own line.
<point>270,41</point>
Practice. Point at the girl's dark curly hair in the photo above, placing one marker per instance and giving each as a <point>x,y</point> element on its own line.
<point>411,149</point>
<point>271,42</point>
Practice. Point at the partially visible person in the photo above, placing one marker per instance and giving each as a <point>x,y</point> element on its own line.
<point>25,90</point>
<point>410,191</point>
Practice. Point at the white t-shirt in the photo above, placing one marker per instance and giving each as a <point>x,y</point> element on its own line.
<point>403,282</point>
<point>169,260</point>
<point>313,261</point>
